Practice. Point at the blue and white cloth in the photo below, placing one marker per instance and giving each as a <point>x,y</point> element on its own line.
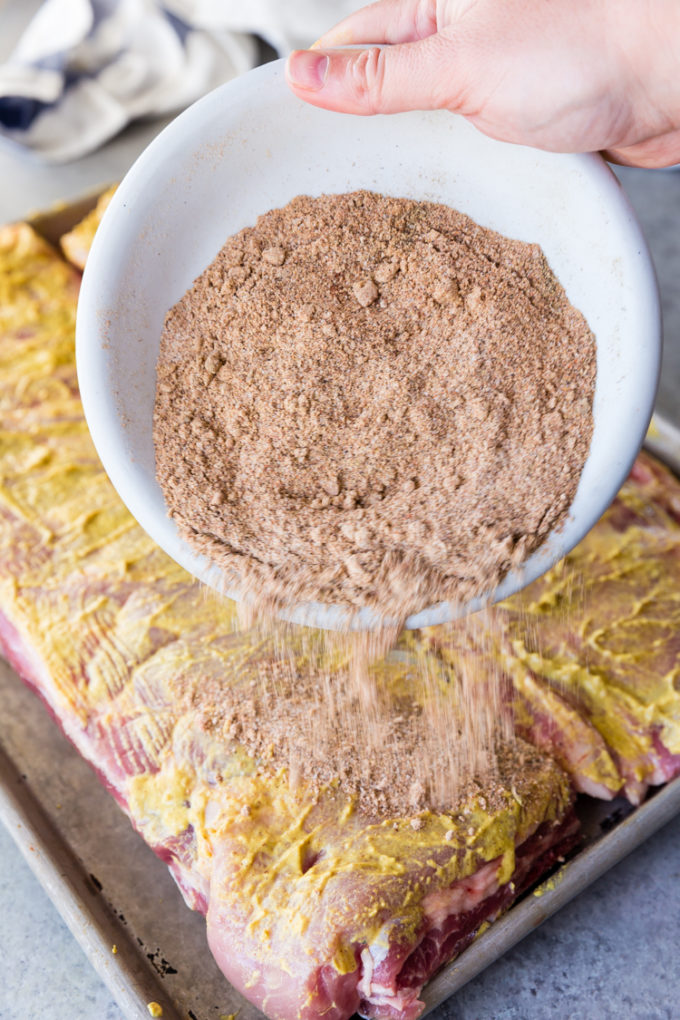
<point>85,68</point>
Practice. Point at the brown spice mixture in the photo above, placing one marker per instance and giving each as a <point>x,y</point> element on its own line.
<point>372,401</point>
<point>412,734</point>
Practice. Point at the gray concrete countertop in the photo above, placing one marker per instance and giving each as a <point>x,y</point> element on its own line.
<point>655,195</point>
<point>612,953</point>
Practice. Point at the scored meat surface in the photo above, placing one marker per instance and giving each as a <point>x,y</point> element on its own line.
<point>315,906</point>
<point>591,649</point>
<point>603,630</point>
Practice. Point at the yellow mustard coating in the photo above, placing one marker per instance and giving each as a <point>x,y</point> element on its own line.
<point>124,642</point>
<point>124,638</point>
<point>532,694</point>
<point>602,629</point>
<point>550,884</point>
<point>592,647</point>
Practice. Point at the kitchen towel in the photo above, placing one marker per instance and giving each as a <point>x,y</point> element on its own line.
<point>83,69</point>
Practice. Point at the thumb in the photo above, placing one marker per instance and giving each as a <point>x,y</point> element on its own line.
<point>411,76</point>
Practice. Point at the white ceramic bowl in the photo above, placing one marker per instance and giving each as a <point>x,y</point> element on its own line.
<point>251,146</point>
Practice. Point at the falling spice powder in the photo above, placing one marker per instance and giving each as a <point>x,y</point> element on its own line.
<point>373,401</point>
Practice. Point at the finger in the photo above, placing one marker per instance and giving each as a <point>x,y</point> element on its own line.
<point>661,151</point>
<point>387,21</point>
<point>412,76</point>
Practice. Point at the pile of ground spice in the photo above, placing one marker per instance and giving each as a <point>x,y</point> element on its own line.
<point>372,401</point>
<point>405,734</point>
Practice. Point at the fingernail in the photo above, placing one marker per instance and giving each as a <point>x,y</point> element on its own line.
<point>307,70</point>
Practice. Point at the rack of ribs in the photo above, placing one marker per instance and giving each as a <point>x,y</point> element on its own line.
<point>316,905</point>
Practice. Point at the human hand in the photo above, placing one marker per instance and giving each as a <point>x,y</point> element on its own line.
<point>563,75</point>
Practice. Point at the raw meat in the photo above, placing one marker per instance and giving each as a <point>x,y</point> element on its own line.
<point>314,906</point>
<point>76,243</point>
<point>603,629</point>
<point>591,650</point>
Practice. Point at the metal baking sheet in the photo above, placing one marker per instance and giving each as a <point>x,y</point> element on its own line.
<point>112,891</point>
<point>107,884</point>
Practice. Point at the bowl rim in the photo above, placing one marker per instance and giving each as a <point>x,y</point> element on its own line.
<point>111,439</point>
